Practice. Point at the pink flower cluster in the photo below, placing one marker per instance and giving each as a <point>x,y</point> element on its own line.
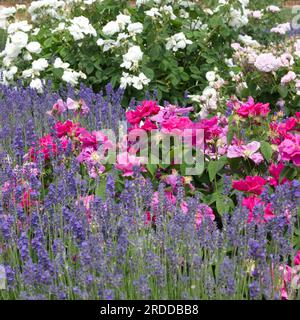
<point>252,109</point>
<point>254,186</point>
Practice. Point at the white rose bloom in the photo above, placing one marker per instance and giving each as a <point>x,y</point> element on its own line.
<point>132,57</point>
<point>34,47</point>
<point>210,76</point>
<point>135,28</point>
<point>19,26</point>
<point>80,27</point>
<point>58,63</point>
<point>6,61</point>
<point>28,73</point>
<point>123,20</point>
<point>169,11</point>
<point>111,28</point>
<point>126,80</point>
<point>72,77</point>
<point>244,3</point>
<point>153,13</point>
<point>122,36</point>
<point>37,84</point>
<point>177,41</point>
<point>140,2</point>
<point>19,39</point>
<point>237,19</point>
<point>7,12</point>
<point>183,14</point>
<point>39,65</point>
<point>9,75</point>
<point>140,81</point>
<point>12,51</point>
<point>210,93</point>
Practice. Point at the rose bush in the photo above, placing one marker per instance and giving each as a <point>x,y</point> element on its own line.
<point>156,45</point>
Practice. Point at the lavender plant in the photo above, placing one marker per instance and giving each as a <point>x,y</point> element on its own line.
<point>64,241</point>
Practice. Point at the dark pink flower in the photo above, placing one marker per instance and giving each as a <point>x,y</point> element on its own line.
<point>275,171</point>
<point>251,202</point>
<point>146,109</point>
<point>252,109</point>
<point>67,128</point>
<point>253,185</point>
<point>176,125</point>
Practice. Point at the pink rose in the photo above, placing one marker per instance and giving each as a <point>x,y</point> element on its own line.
<point>289,149</point>
<point>253,185</point>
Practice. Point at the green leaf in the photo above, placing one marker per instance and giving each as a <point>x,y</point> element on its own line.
<point>155,52</point>
<point>151,168</point>
<point>89,69</point>
<point>58,73</point>
<point>288,172</point>
<point>195,70</point>
<point>223,204</point>
<point>283,91</point>
<point>101,188</point>
<point>215,166</point>
<point>48,43</point>
<point>184,76</point>
<point>266,150</point>
<point>149,73</point>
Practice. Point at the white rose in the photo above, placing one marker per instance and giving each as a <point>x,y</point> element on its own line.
<point>27,73</point>
<point>140,81</point>
<point>70,77</point>
<point>39,65</point>
<point>210,92</point>
<point>126,80</point>
<point>9,75</point>
<point>123,20</point>
<point>34,47</point>
<point>19,39</point>
<point>135,27</point>
<point>132,57</point>
<point>58,63</point>
<point>12,51</point>
<point>210,76</point>
<point>36,84</point>
<point>111,28</point>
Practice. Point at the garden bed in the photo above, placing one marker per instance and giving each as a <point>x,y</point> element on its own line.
<point>149,151</point>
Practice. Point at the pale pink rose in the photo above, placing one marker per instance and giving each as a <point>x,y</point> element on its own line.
<point>290,76</point>
<point>126,163</point>
<point>246,151</point>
